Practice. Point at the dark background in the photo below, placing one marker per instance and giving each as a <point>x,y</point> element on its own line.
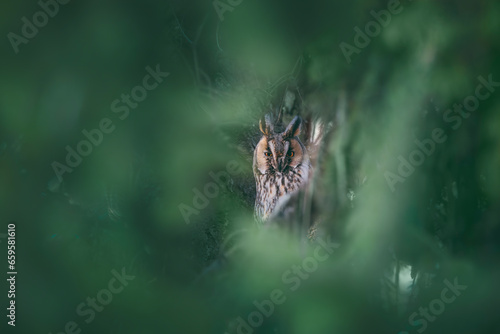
<point>119,208</point>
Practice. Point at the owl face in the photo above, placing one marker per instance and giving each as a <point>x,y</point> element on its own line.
<point>279,152</point>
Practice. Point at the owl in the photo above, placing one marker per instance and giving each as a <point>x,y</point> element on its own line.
<point>281,167</point>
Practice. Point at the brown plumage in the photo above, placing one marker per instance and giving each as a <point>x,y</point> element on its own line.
<point>281,167</point>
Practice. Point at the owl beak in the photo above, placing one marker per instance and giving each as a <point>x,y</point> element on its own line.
<point>281,165</point>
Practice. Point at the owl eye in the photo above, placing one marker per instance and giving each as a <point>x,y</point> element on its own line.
<point>268,154</point>
<point>290,154</point>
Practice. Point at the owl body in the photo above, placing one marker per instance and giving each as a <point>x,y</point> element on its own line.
<point>281,167</point>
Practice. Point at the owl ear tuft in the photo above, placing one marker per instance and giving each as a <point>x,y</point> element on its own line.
<point>266,128</point>
<point>293,129</point>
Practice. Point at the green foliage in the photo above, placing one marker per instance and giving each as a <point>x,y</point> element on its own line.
<point>119,208</point>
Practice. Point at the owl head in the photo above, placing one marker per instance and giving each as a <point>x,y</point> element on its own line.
<point>279,152</point>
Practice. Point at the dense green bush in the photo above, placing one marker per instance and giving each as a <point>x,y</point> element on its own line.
<point>407,183</point>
